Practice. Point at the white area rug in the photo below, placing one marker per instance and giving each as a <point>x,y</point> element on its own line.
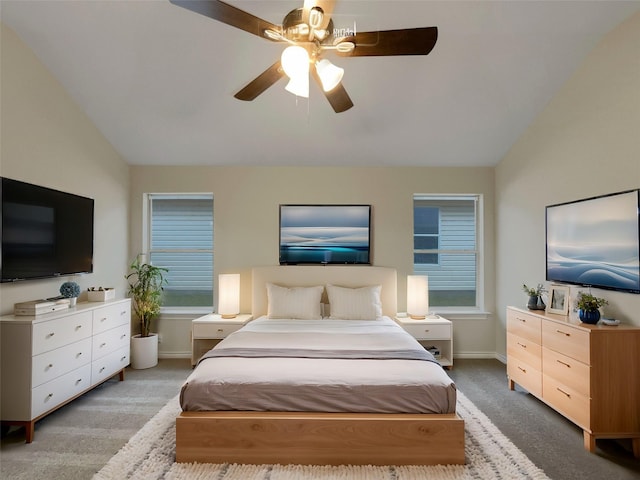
<point>150,454</point>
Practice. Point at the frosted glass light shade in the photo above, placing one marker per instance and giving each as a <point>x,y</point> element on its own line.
<point>295,61</point>
<point>299,86</point>
<point>229,294</point>
<point>417,296</point>
<point>330,75</point>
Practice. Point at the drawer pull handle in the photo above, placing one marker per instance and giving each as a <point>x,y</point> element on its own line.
<point>48,397</point>
<point>523,370</point>
<point>79,354</point>
<point>220,330</point>
<point>522,320</point>
<point>522,345</point>
<point>563,363</point>
<point>103,345</point>
<point>102,369</point>
<point>78,327</point>
<point>78,381</point>
<point>51,335</point>
<point>124,335</point>
<point>103,319</point>
<point>562,391</point>
<point>563,333</point>
<point>49,366</point>
<point>123,358</point>
<point>124,312</point>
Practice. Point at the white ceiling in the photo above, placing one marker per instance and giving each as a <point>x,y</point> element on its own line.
<point>158,80</point>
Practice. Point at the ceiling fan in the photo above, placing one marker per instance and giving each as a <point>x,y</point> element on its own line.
<point>309,32</point>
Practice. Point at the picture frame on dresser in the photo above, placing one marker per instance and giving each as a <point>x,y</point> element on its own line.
<point>558,300</point>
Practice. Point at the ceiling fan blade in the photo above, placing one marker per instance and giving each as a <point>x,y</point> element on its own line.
<point>259,84</point>
<point>325,5</point>
<point>409,41</point>
<point>338,96</point>
<point>225,13</point>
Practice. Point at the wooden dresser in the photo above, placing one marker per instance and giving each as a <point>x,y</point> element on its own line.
<point>48,360</point>
<point>588,373</point>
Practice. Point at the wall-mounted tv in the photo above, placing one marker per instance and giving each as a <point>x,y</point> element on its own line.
<point>595,242</point>
<point>325,234</point>
<point>45,232</point>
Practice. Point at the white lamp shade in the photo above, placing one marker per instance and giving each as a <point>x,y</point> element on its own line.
<point>330,75</point>
<point>229,294</point>
<point>417,296</point>
<point>299,86</point>
<point>295,61</point>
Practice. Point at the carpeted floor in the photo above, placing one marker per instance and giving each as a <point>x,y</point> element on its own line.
<point>79,439</point>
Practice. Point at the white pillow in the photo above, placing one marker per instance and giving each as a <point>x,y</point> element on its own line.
<point>295,302</point>
<point>355,303</point>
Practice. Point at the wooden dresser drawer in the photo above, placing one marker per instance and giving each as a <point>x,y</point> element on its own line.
<point>61,331</point>
<point>568,371</point>
<point>428,331</point>
<point>110,316</point>
<point>524,325</point>
<point>111,340</point>
<point>566,339</point>
<point>525,375</point>
<point>50,365</point>
<point>567,401</point>
<point>51,394</point>
<point>524,350</point>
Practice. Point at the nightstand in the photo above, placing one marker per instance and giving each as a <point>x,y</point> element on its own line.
<point>208,330</point>
<point>433,331</point>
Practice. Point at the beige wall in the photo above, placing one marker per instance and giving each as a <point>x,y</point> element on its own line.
<point>246,201</point>
<point>585,143</point>
<point>48,141</point>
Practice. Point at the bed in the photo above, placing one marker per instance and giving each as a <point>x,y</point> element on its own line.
<point>335,383</point>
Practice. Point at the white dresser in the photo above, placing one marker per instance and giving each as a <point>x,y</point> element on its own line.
<point>48,360</point>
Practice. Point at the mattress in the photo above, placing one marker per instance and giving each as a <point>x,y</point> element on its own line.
<point>327,365</point>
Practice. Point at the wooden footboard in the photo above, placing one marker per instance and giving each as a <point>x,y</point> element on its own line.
<point>319,438</point>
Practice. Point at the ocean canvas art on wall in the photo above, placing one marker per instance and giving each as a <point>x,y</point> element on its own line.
<point>325,234</point>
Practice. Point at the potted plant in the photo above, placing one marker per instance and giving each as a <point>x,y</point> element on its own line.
<point>146,283</point>
<point>535,297</point>
<point>588,307</point>
<point>70,290</point>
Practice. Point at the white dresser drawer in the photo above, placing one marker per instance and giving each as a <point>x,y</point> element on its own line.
<point>110,316</point>
<point>51,394</point>
<point>106,342</point>
<point>49,365</point>
<point>432,331</point>
<point>56,333</point>
<point>108,365</point>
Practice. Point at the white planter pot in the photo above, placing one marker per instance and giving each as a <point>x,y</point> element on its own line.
<point>144,351</point>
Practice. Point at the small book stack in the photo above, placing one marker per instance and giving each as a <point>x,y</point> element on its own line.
<point>38,307</point>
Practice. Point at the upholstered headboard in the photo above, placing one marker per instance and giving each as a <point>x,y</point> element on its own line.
<point>307,276</point>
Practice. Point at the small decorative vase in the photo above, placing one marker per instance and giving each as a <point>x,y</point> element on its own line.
<point>589,316</point>
<point>72,301</point>
<point>535,303</point>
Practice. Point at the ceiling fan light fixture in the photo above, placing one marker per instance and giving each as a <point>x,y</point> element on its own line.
<point>299,86</point>
<point>295,61</point>
<point>330,75</point>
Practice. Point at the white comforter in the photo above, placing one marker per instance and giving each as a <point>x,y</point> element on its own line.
<point>286,383</point>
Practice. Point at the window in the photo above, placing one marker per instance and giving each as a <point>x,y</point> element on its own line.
<point>445,247</point>
<point>181,240</point>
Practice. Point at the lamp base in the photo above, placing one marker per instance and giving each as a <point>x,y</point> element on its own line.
<point>228,315</point>
<point>417,317</point>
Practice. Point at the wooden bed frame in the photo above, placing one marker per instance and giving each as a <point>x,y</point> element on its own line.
<point>311,438</point>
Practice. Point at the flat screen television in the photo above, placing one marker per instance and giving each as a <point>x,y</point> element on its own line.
<point>595,242</point>
<point>325,234</point>
<point>45,232</point>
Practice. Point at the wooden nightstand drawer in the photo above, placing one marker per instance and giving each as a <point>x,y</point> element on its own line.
<point>569,340</point>
<point>568,371</point>
<point>524,325</point>
<point>431,331</point>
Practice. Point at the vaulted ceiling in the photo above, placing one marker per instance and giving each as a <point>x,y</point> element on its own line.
<point>158,80</point>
